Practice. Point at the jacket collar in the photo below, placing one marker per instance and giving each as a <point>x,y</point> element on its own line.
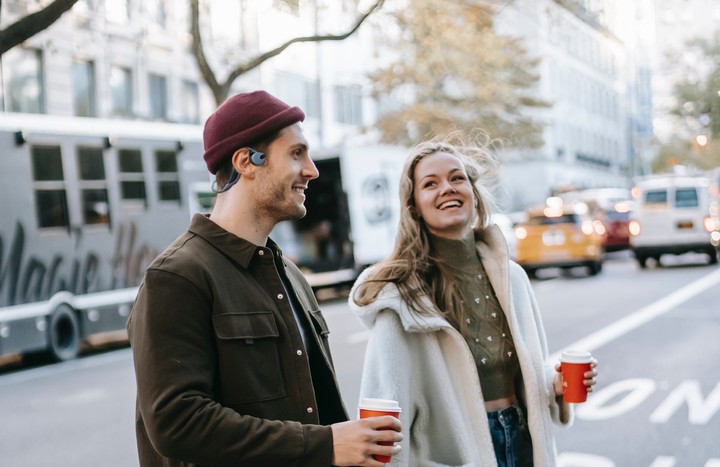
<point>494,255</point>
<point>237,249</point>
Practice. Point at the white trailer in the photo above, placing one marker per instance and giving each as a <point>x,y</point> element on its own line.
<point>86,204</point>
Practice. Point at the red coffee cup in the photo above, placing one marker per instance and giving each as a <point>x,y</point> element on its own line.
<point>574,364</point>
<point>377,408</point>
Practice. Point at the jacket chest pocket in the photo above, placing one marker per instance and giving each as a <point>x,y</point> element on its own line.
<point>249,363</point>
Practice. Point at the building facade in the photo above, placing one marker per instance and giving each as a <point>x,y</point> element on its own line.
<point>588,75</point>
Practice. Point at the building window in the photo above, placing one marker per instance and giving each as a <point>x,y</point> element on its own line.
<point>167,176</point>
<point>158,96</point>
<point>299,91</point>
<point>132,179</point>
<point>348,105</point>
<point>157,12</point>
<point>93,186</point>
<point>117,11</point>
<point>23,71</point>
<point>84,88</point>
<point>49,184</point>
<point>121,91</point>
<point>190,102</point>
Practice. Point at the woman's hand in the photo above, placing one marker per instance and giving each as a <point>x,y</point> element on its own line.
<point>590,378</point>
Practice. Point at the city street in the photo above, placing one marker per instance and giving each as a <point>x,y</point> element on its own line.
<point>657,401</point>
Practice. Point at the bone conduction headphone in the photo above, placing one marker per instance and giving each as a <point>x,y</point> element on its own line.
<point>257,158</point>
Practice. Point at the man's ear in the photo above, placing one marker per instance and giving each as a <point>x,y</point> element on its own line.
<point>241,163</point>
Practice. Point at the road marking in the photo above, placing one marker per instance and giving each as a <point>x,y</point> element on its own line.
<point>642,316</point>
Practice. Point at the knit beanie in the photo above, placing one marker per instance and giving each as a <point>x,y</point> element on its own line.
<point>242,120</point>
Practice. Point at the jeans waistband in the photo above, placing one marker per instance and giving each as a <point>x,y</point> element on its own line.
<point>508,415</point>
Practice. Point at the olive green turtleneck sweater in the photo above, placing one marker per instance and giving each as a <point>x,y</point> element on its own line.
<point>486,329</point>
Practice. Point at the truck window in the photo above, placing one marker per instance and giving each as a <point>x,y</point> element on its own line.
<point>167,175</point>
<point>132,178</point>
<point>49,185</point>
<point>686,198</point>
<point>93,186</point>
<point>656,197</point>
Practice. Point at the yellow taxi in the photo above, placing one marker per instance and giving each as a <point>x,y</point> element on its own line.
<point>560,235</point>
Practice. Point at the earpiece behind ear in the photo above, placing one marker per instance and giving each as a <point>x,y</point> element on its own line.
<point>256,157</point>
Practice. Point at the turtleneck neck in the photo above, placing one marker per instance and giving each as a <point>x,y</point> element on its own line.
<point>458,253</point>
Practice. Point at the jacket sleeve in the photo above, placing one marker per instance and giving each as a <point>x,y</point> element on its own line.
<point>561,412</point>
<point>386,373</point>
<point>172,340</point>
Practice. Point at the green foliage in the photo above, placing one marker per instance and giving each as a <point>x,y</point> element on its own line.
<point>690,154</point>
<point>453,72</point>
<point>698,93</point>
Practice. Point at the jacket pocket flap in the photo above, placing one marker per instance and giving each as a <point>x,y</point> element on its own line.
<point>253,325</point>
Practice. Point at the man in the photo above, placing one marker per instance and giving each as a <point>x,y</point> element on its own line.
<point>231,352</point>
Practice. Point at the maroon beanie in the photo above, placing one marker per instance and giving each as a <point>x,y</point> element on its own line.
<point>244,119</point>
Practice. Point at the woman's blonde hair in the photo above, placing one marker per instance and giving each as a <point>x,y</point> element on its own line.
<point>411,266</point>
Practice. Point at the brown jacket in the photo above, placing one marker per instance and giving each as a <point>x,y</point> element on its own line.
<point>223,376</point>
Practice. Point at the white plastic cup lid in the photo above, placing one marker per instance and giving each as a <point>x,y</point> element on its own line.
<point>379,404</point>
<point>576,356</point>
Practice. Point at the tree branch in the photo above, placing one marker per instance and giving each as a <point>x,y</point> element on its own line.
<point>221,90</point>
<point>199,53</point>
<point>27,26</point>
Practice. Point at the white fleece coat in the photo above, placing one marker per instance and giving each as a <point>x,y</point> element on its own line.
<point>425,364</point>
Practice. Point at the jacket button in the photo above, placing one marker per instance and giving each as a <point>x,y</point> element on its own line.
<point>310,410</point>
<point>280,296</point>
<point>261,252</point>
<point>299,352</point>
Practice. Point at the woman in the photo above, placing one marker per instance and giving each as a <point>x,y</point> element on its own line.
<point>457,336</point>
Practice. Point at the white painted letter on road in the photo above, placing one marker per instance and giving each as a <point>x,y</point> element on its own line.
<point>598,408</point>
<point>699,411</point>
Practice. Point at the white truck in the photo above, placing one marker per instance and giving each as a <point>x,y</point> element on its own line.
<point>674,214</point>
<point>86,204</point>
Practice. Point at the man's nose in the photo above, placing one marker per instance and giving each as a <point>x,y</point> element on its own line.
<point>310,170</point>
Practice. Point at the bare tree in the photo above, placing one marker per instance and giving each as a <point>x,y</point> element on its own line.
<point>221,90</point>
<point>29,25</point>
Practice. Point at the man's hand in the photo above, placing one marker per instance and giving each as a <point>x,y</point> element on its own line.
<point>355,442</point>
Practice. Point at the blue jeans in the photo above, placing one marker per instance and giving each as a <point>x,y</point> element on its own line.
<point>511,437</point>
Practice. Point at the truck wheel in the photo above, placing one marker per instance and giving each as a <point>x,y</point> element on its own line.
<point>642,261</point>
<point>713,256</point>
<point>64,334</point>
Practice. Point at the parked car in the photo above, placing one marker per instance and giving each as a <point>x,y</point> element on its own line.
<point>616,220</point>
<point>560,235</point>
<point>674,215</point>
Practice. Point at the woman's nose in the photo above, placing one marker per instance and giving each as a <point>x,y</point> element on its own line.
<point>447,187</point>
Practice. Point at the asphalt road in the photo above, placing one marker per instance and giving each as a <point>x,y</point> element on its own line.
<point>657,403</point>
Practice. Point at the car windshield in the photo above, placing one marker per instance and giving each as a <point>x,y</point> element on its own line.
<point>563,219</point>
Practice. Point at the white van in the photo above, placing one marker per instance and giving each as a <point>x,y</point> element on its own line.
<point>672,215</point>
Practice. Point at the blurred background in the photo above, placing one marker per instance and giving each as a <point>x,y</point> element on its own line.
<point>605,115</point>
